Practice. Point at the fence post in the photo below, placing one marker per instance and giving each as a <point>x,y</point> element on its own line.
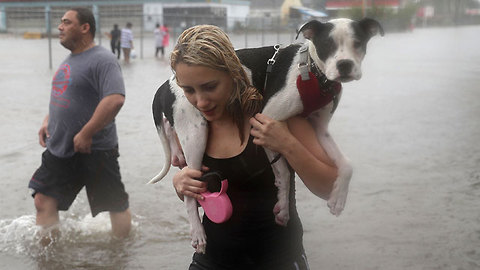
<point>278,30</point>
<point>48,24</point>
<point>246,32</point>
<point>263,31</point>
<point>3,19</point>
<point>98,31</point>
<point>141,36</point>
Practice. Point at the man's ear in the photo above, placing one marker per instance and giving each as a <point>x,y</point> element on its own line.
<point>85,27</point>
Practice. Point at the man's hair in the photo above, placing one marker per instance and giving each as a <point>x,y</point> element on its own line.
<point>85,15</point>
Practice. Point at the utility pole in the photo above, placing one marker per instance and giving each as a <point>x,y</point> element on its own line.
<point>364,13</point>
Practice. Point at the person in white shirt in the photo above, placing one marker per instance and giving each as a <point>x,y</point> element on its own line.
<point>126,42</point>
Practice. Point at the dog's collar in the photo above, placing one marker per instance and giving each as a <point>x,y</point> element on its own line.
<point>323,90</point>
<point>306,65</point>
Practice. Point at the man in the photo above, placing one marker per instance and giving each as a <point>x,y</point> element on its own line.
<point>80,133</point>
<point>115,40</point>
<point>126,42</point>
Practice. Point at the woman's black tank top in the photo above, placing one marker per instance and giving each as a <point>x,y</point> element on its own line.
<point>251,235</point>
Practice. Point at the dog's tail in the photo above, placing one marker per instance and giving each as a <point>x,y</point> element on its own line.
<point>167,154</point>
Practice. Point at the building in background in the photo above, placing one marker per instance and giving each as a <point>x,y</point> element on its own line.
<point>225,14</point>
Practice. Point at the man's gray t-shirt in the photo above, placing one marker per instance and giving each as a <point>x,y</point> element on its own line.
<point>79,84</point>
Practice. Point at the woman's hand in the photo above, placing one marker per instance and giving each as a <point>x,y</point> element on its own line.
<point>269,133</point>
<point>185,183</point>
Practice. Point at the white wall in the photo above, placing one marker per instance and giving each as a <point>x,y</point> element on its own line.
<point>153,15</point>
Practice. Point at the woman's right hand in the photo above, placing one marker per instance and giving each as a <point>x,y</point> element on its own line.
<point>186,183</point>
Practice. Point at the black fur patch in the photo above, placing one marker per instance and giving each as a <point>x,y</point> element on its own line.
<point>256,60</point>
<point>162,104</point>
<point>324,44</point>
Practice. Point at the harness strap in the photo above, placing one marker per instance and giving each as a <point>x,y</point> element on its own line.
<point>314,88</point>
<point>303,65</point>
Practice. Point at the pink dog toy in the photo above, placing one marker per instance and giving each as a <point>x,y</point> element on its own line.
<point>217,205</point>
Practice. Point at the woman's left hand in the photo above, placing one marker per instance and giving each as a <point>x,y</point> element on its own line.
<point>269,133</point>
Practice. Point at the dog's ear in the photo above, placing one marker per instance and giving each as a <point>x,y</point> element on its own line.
<point>308,29</point>
<point>371,27</point>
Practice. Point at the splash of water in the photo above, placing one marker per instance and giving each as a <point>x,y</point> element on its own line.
<point>83,241</point>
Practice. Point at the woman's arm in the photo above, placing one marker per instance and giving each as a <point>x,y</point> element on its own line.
<point>297,142</point>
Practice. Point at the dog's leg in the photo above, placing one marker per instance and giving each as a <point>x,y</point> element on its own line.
<point>338,197</point>
<point>193,138</point>
<point>281,107</point>
<point>177,157</point>
<point>282,177</point>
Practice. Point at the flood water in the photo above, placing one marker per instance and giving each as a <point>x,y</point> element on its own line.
<point>411,127</point>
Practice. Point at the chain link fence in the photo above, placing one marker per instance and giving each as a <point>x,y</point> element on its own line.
<point>255,30</point>
<point>42,23</point>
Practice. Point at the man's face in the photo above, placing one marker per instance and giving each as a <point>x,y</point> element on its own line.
<point>71,30</point>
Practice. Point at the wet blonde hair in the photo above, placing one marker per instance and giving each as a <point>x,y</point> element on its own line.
<point>209,46</point>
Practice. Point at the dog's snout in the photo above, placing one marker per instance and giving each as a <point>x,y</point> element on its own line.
<point>344,67</point>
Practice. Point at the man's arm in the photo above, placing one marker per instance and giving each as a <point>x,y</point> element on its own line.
<point>105,112</point>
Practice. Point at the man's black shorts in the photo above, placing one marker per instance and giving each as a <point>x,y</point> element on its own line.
<point>99,172</point>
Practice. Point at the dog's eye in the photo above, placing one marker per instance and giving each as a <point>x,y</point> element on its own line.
<point>357,44</point>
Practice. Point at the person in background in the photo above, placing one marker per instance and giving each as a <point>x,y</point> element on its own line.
<point>126,42</point>
<point>115,35</point>
<point>79,132</point>
<point>166,38</point>
<point>214,82</point>
<point>158,40</point>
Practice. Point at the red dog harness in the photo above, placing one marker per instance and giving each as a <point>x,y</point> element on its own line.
<point>315,96</point>
<point>315,90</point>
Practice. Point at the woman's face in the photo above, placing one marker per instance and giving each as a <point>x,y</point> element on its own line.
<point>207,89</point>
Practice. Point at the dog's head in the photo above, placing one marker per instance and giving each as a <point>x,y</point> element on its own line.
<point>339,46</point>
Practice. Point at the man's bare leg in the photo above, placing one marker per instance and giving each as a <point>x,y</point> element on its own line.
<point>47,217</point>
<point>121,223</point>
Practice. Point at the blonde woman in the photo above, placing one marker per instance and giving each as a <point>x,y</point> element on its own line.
<point>214,82</point>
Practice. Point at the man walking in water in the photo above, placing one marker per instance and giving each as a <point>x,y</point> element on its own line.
<point>115,40</point>
<point>80,133</point>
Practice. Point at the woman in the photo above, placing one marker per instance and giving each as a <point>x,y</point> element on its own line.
<point>208,70</point>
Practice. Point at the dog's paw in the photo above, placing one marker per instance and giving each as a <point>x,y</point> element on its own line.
<point>282,214</point>
<point>337,199</point>
<point>200,248</point>
<point>336,207</point>
<point>199,240</point>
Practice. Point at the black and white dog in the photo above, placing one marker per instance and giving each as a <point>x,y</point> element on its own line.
<point>297,74</point>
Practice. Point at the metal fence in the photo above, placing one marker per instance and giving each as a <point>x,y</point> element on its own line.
<point>245,32</point>
<point>45,22</point>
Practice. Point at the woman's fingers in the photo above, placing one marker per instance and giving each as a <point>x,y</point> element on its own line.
<point>186,184</point>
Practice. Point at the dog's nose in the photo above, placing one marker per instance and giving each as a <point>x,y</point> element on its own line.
<point>344,67</point>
